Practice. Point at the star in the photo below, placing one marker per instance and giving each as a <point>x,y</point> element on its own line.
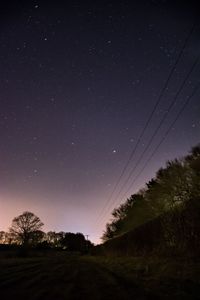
<point>78,88</point>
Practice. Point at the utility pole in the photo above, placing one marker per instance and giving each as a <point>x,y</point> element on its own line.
<point>87,235</point>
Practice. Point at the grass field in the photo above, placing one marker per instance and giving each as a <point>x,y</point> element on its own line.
<point>63,276</point>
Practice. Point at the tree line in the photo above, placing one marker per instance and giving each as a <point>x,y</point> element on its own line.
<point>26,231</point>
<point>173,189</point>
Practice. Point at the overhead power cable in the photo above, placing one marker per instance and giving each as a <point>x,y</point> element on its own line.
<point>164,137</point>
<point>149,119</point>
<point>155,132</point>
<point>172,103</point>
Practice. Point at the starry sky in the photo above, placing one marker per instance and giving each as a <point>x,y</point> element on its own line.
<point>78,82</point>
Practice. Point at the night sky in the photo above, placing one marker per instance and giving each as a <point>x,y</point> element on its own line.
<point>78,82</point>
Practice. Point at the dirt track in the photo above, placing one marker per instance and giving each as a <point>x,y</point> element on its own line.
<point>75,278</point>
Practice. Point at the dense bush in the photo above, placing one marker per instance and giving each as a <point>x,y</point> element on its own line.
<point>172,187</point>
<point>176,232</point>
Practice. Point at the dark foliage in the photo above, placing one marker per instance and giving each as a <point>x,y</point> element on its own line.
<point>174,233</point>
<point>173,186</point>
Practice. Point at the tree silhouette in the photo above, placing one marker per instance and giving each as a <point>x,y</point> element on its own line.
<point>2,237</point>
<point>74,242</point>
<point>173,186</point>
<point>37,237</point>
<point>24,226</point>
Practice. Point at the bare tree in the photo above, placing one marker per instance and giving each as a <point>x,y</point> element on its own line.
<point>24,226</point>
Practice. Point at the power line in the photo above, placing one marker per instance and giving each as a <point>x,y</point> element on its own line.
<point>149,119</point>
<point>164,137</point>
<point>162,140</point>
<point>160,124</point>
<point>155,132</point>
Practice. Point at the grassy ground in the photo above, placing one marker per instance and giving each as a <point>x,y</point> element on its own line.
<point>77,277</point>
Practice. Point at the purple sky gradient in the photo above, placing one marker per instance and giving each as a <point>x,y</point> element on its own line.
<point>78,82</point>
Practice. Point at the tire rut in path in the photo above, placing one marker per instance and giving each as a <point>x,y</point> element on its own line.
<point>94,281</point>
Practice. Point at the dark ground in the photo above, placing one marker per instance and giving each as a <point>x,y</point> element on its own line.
<point>77,277</point>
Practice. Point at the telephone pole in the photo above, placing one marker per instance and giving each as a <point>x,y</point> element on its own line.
<point>87,235</point>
